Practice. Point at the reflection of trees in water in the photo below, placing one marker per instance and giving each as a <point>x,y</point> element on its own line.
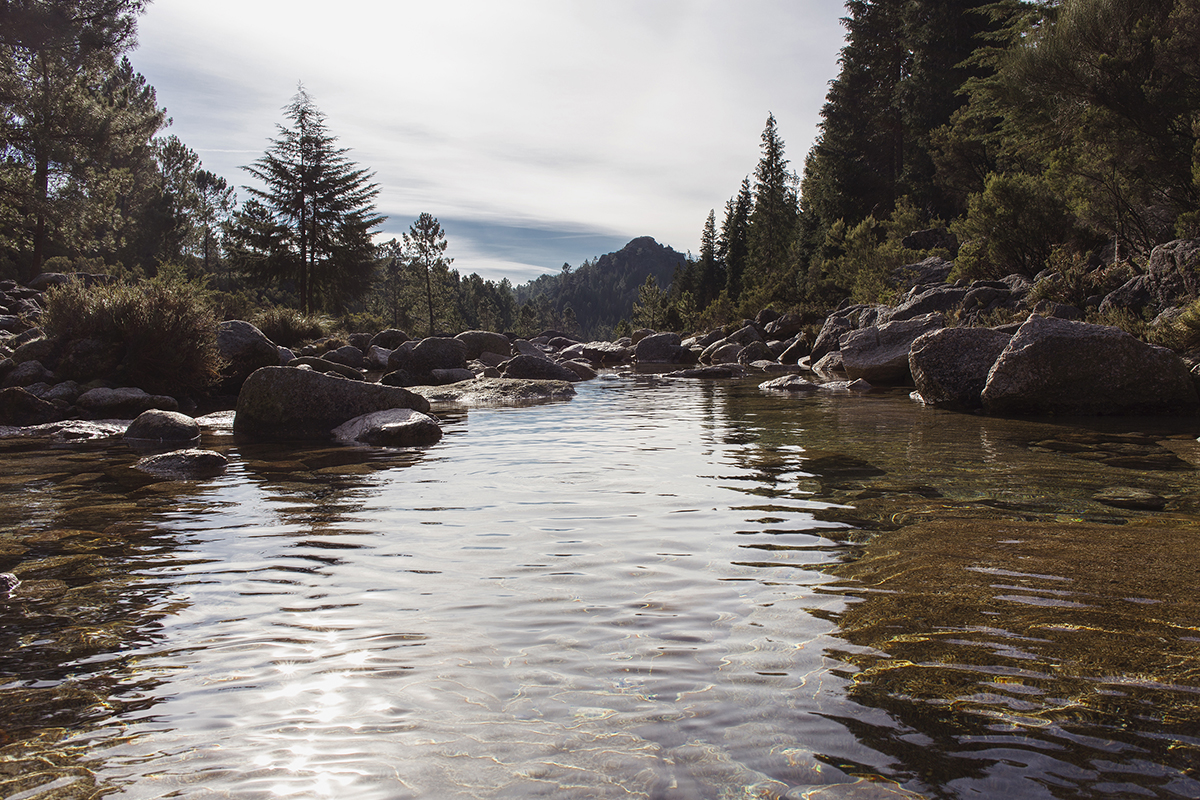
<point>1020,659</point>
<point>318,486</point>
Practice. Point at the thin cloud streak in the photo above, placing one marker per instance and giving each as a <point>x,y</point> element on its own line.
<point>626,118</point>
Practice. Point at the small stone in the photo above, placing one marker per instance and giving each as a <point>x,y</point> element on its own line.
<point>8,582</point>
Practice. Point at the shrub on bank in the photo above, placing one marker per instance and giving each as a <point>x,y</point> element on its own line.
<point>288,327</point>
<point>162,333</point>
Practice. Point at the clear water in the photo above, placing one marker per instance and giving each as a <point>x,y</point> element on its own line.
<point>659,589</point>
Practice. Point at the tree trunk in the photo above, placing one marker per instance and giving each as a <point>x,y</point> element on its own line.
<point>42,187</point>
<point>429,295</point>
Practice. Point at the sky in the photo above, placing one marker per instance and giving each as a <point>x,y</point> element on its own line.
<point>538,132</point>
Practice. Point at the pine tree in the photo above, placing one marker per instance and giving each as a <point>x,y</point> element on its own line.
<point>709,275</point>
<point>773,221</point>
<point>901,69</point>
<point>75,126</point>
<point>733,245</point>
<point>425,248</point>
<point>325,202</point>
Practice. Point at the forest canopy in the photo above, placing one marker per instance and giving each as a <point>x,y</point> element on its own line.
<point>1025,134</point>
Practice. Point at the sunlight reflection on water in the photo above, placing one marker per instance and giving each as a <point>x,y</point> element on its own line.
<point>658,589</point>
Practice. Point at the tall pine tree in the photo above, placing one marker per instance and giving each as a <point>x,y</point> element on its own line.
<point>733,245</point>
<point>772,223</point>
<point>324,203</point>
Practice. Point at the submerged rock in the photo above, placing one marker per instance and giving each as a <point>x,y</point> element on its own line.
<point>184,465</point>
<point>716,371</point>
<point>533,367</point>
<point>498,392</point>
<point>1130,498</point>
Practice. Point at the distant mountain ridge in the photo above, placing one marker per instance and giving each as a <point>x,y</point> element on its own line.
<point>601,292</point>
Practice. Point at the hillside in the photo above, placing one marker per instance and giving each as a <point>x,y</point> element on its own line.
<point>602,292</point>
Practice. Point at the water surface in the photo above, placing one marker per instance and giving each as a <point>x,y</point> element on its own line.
<point>659,589</point>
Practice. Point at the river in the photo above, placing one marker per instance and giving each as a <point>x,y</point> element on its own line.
<point>658,589</point>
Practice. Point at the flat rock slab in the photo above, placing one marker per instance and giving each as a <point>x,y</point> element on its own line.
<point>715,371</point>
<point>72,430</point>
<point>497,392</point>
<point>790,383</point>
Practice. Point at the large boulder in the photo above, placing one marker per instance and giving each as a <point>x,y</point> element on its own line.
<point>932,270</point>
<point>20,409</point>
<point>389,339</point>
<point>785,326</point>
<point>722,352</point>
<point>830,335</point>
<point>478,342</point>
<point>1058,366</point>
<point>950,366</point>
<point>535,368</point>
<point>755,351</point>
<point>243,348</point>
<point>321,364</point>
<point>287,403</point>
<point>921,301</point>
<point>1174,272</point>
<point>879,354</point>
<point>347,355</point>
<point>1133,295</point>
<point>436,352</point>
<point>606,353</point>
<point>395,427</point>
<point>27,373</point>
<point>660,348</point>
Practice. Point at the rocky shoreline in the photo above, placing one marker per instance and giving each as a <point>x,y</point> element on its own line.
<point>1048,361</point>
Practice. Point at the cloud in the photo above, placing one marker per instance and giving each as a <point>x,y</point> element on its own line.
<point>625,118</point>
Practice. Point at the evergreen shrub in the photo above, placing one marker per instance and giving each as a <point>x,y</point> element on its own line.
<point>165,329</point>
<point>288,327</point>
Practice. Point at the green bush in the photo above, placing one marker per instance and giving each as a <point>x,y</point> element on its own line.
<point>165,330</point>
<point>1013,225</point>
<point>1181,334</point>
<point>288,327</point>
